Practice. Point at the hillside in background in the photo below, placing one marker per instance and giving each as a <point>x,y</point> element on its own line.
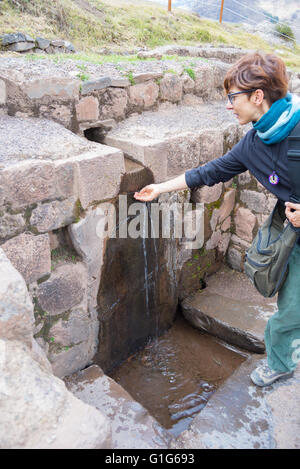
<point>122,25</point>
<point>253,12</point>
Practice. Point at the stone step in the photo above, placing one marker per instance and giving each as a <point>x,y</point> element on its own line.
<point>241,415</point>
<point>136,176</point>
<point>176,137</point>
<point>231,309</point>
<point>132,426</point>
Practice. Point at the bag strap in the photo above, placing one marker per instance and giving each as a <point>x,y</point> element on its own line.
<point>294,163</point>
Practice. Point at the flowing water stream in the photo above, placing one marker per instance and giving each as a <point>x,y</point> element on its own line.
<point>174,376</point>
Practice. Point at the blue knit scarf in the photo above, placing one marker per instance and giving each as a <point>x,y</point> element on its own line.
<point>277,123</point>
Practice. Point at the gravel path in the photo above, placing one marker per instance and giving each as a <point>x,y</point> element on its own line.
<point>70,68</point>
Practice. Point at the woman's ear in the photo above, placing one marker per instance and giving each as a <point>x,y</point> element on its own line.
<point>258,96</point>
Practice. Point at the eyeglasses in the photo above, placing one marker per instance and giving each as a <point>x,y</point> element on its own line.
<point>232,95</point>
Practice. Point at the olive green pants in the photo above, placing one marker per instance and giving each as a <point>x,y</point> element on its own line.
<point>282,334</point>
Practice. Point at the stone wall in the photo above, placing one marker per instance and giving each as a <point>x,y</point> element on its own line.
<point>37,410</point>
<point>56,187</point>
<point>19,42</point>
<point>101,102</point>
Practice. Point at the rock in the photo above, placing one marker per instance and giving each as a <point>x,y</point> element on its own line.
<point>16,309</point>
<point>182,153</point>
<point>120,82</point>
<point>65,179</point>
<point>227,205</point>
<point>21,46</point>
<point>68,360</point>
<point>2,92</point>
<point>58,43</point>
<point>226,224</point>
<point>224,243</point>
<point>245,222</point>
<point>144,95</point>
<point>69,47</point>
<point>58,88</point>
<point>235,259</point>
<point>87,109</point>
<point>30,255</point>
<point>231,308</point>
<point>15,37</point>
<point>12,38</point>
<point>113,103</point>
<point>42,43</point>
<point>171,88</point>
<point>211,145</point>
<point>143,77</point>
<point>94,85</point>
<point>191,100</point>
<point>38,412</point>
<point>214,218</point>
<point>99,174</point>
<point>187,83</point>
<point>149,54</point>
<point>207,194</point>
<point>295,85</point>
<point>54,215</point>
<point>58,112</point>
<point>88,237</point>
<point>132,425</point>
<point>254,200</point>
<point>65,289</point>
<point>242,416</point>
<point>204,78</point>
<point>28,182</point>
<point>73,330</point>
<point>215,239</point>
<point>11,225</point>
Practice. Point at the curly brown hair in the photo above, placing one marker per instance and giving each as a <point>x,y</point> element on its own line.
<point>261,71</point>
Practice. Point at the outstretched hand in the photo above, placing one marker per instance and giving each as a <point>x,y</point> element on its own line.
<point>292,212</point>
<point>148,193</point>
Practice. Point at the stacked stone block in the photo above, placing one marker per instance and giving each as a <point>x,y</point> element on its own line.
<point>49,177</point>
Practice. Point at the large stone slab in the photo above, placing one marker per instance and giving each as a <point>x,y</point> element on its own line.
<point>132,426</point>
<point>60,89</point>
<point>242,416</point>
<point>231,308</point>
<point>38,412</point>
<point>65,289</point>
<point>42,161</point>
<point>30,255</point>
<point>173,139</point>
<point>37,139</point>
<point>16,309</point>
<point>99,174</point>
<point>88,236</point>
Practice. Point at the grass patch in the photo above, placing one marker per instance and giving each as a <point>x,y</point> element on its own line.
<point>118,25</point>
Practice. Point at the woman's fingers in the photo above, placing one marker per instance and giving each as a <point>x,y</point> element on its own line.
<point>292,213</point>
<point>147,194</point>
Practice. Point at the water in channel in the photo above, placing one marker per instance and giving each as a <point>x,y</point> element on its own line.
<point>174,376</point>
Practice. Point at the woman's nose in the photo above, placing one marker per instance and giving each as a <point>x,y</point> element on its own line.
<point>229,105</point>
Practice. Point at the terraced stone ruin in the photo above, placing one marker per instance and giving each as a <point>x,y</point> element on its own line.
<point>75,301</point>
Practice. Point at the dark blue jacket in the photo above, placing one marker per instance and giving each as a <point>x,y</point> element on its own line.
<point>252,154</point>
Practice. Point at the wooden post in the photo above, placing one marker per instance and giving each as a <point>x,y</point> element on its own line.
<point>221,11</point>
<point>169,5</point>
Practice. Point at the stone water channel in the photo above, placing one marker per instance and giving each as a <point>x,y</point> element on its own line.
<point>145,344</point>
<point>93,310</point>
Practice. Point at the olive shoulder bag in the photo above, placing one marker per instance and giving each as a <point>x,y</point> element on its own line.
<point>267,259</point>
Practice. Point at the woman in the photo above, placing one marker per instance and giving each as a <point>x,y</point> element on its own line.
<point>257,90</point>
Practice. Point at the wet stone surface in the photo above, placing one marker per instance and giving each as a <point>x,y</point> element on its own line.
<point>176,374</point>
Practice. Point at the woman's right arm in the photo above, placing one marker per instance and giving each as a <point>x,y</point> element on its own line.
<point>221,169</point>
<point>152,191</point>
